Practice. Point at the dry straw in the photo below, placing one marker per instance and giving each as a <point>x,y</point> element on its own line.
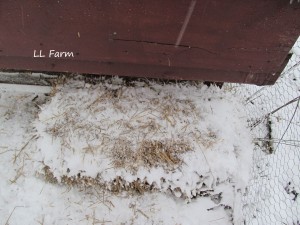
<point>143,141</point>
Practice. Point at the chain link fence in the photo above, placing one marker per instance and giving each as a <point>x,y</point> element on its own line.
<point>274,117</point>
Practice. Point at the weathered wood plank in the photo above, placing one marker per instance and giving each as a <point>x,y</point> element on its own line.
<point>227,41</point>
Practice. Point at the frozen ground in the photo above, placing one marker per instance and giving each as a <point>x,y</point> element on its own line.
<point>82,156</point>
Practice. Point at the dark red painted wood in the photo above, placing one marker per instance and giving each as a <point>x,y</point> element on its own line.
<point>225,40</point>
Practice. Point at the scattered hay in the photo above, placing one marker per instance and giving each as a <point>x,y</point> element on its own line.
<point>49,176</point>
<point>17,155</point>
<point>164,153</point>
<point>141,137</point>
<point>122,155</point>
<point>137,138</point>
<point>119,185</point>
<point>150,153</point>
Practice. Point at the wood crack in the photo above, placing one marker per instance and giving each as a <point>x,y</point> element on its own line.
<point>165,44</point>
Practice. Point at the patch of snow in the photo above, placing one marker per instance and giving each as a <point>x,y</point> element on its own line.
<point>210,120</point>
<point>222,157</point>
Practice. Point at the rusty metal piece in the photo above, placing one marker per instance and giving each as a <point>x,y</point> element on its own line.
<point>222,41</point>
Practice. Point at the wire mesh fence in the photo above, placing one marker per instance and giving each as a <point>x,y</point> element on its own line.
<point>272,196</point>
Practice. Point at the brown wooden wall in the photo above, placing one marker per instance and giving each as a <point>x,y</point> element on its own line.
<point>244,41</point>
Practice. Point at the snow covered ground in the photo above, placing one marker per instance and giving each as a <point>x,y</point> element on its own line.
<point>111,153</point>
<point>273,191</point>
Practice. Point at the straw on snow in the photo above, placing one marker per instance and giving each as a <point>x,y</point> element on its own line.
<point>140,137</point>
